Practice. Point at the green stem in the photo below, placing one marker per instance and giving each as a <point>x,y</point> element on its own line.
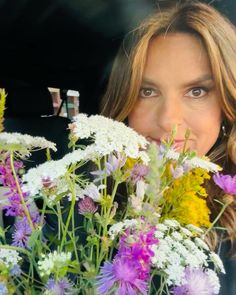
<point>43,213</point>
<point>60,221</point>
<point>20,192</point>
<point>73,235</point>
<point>68,222</point>
<point>217,218</point>
<point>101,255</point>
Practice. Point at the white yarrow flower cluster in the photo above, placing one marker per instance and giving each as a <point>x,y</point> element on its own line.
<point>9,257</point>
<point>180,247</point>
<point>119,227</point>
<point>194,162</point>
<point>55,170</point>
<point>24,141</point>
<point>110,136</point>
<point>197,162</point>
<point>53,262</point>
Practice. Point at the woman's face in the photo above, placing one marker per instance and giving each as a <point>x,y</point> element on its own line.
<point>178,90</point>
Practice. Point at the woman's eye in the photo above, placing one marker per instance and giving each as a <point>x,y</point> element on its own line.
<point>147,92</point>
<point>197,92</point>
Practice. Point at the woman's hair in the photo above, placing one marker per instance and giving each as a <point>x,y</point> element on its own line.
<point>219,38</point>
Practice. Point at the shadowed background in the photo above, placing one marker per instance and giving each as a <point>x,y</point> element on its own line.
<point>70,44</point>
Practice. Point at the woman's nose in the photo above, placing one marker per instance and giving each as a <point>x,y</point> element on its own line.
<point>170,114</point>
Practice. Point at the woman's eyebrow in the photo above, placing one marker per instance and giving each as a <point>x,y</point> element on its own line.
<point>201,79</point>
<point>148,82</point>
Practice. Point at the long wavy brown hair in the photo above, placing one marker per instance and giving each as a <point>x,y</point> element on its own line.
<point>219,38</point>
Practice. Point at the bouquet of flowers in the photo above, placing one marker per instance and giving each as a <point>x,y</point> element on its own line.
<point>129,217</point>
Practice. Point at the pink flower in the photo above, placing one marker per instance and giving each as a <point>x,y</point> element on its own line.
<point>226,182</point>
<point>87,205</point>
<point>139,172</point>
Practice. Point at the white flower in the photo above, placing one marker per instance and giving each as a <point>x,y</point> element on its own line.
<point>217,262</point>
<point>119,227</point>
<point>175,272</point>
<point>194,229</point>
<point>9,257</point>
<point>110,136</point>
<point>186,232</point>
<point>162,227</point>
<point>33,178</point>
<point>53,262</point>
<point>24,141</point>
<point>213,281</point>
<point>92,191</point>
<point>159,234</point>
<point>190,245</point>
<point>203,163</point>
<point>141,187</point>
<point>161,254</point>
<point>171,223</point>
<point>172,154</point>
<point>53,170</point>
<point>177,236</point>
<point>199,242</point>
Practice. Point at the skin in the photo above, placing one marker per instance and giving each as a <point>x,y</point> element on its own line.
<point>178,91</point>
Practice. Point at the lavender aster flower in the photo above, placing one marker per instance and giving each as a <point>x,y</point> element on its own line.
<point>87,205</point>
<point>15,270</point>
<point>61,287</point>
<point>139,172</point>
<point>197,282</point>
<point>3,289</point>
<point>114,163</point>
<point>22,233</point>
<point>226,182</point>
<point>121,275</point>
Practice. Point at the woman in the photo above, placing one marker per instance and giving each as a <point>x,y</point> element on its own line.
<point>179,69</point>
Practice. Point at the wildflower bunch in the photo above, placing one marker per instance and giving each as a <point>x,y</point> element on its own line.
<point>112,215</point>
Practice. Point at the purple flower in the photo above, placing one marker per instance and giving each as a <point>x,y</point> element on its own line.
<point>226,182</point>
<point>87,205</point>
<point>177,172</point>
<point>22,233</point>
<point>114,163</point>
<point>3,289</point>
<point>15,270</point>
<point>138,172</point>
<point>139,250</point>
<point>14,208</point>
<point>61,287</point>
<point>197,282</point>
<point>122,275</point>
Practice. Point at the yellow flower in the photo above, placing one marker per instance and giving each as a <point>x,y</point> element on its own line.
<point>2,107</point>
<point>184,200</point>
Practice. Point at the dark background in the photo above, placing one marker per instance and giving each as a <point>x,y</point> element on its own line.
<point>70,44</point>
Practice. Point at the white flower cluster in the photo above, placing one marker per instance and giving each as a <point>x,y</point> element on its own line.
<point>180,247</point>
<point>195,162</point>
<point>9,257</point>
<point>25,141</point>
<point>119,227</point>
<point>54,170</point>
<point>53,262</point>
<point>110,136</point>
